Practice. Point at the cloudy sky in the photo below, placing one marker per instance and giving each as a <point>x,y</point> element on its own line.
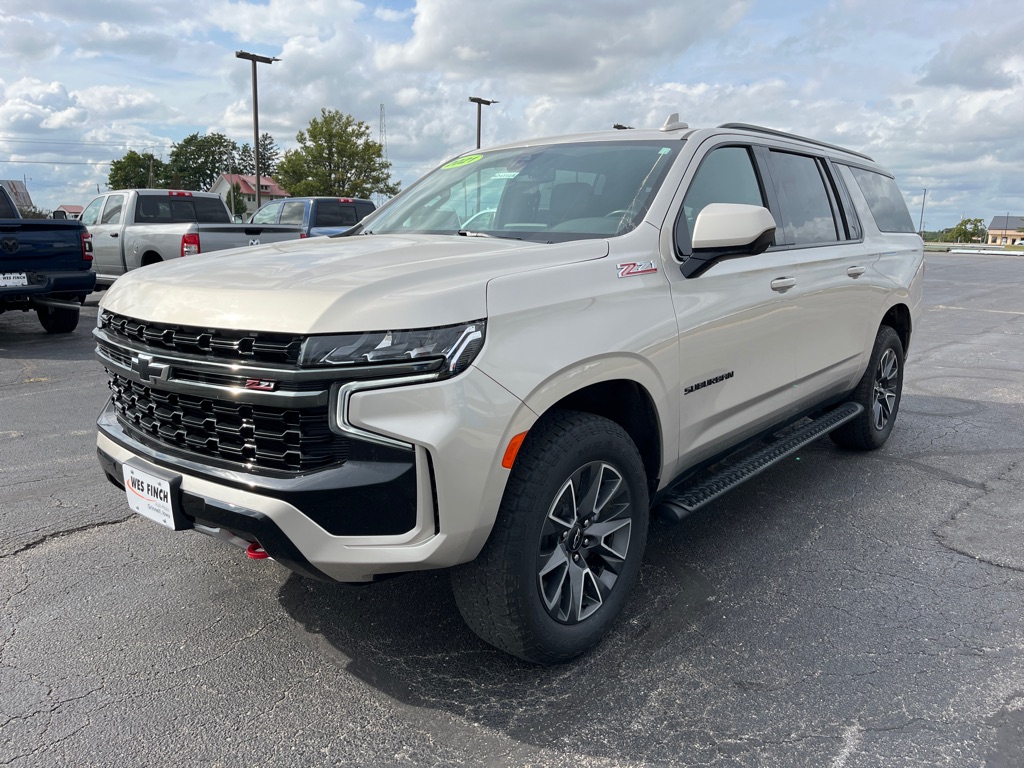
<point>932,89</point>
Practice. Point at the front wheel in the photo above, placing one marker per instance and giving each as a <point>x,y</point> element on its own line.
<point>58,319</point>
<point>879,391</point>
<point>566,546</point>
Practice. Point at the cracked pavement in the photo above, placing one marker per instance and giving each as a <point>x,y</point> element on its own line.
<point>842,610</point>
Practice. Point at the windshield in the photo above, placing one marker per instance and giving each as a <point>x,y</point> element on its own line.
<point>546,193</point>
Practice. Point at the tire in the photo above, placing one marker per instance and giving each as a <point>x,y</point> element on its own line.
<point>56,320</point>
<point>567,543</point>
<point>879,391</point>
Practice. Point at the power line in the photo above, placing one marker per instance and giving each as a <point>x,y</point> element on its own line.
<point>58,162</point>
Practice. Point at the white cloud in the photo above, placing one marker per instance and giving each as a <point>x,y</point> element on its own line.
<point>934,94</point>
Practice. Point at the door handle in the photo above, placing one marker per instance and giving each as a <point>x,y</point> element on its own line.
<point>783,284</point>
<point>856,272</point>
<point>113,234</point>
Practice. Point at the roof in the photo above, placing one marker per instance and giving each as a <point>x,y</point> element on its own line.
<point>247,184</point>
<point>999,222</point>
<point>70,208</point>
<point>18,191</point>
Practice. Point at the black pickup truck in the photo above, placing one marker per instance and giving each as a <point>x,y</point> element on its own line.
<point>45,265</point>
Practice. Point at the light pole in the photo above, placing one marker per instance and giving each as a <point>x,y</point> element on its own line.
<point>480,103</point>
<point>255,59</point>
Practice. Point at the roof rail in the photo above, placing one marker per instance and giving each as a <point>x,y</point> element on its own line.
<point>783,134</point>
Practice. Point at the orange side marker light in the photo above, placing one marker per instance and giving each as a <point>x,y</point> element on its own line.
<point>513,448</point>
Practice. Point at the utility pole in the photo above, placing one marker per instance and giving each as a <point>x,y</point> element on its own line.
<point>920,225</point>
<point>255,59</point>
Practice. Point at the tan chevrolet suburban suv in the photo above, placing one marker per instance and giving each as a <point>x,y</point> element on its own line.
<point>517,362</point>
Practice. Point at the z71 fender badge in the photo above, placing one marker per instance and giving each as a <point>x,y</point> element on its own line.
<point>630,268</point>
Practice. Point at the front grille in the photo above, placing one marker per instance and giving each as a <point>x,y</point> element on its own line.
<point>255,346</point>
<point>260,436</point>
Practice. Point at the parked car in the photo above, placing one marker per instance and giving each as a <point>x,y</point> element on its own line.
<point>646,319</point>
<point>45,266</point>
<point>133,228</point>
<point>315,215</point>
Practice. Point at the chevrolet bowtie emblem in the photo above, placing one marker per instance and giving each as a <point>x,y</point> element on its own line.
<point>147,370</point>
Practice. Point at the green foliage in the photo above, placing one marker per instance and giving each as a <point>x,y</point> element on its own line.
<point>197,161</point>
<point>31,212</point>
<point>270,156</point>
<point>968,231</point>
<point>336,157</point>
<point>138,171</point>
<point>235,201</point>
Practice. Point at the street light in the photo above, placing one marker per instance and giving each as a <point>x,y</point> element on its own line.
<point>255,59</point>
<point>480,103</point>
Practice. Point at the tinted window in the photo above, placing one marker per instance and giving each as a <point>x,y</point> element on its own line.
<point>293,213</point>
<point>331,213</point>
<point>112,210</point>
<point>806,209</point>
<point>159,209</point>
<point>267,214</point>
<point>726,175</point>
<point>888,208</point>
<point>92,213</point>
<point>6,207</point>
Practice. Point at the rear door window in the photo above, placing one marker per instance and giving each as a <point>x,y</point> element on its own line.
<point>293,212</point>
<point>805,204</point>
<point>112,210</point>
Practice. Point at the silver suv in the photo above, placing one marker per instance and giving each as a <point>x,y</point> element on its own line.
<point>509,368</point>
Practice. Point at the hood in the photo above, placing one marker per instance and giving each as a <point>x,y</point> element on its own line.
<point>332,285</point>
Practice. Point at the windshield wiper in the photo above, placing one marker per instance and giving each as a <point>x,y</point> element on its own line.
<point>468,233</point>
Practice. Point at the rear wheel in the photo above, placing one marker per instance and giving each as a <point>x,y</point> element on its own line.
<point>879,391</point>
<point>58,320</point>
<point>567,545</point>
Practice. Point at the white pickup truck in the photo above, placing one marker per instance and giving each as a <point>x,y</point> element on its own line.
<point>133,228</point>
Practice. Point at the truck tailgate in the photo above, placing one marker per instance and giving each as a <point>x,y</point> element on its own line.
<point>41,244</point>
<point>218,237</point>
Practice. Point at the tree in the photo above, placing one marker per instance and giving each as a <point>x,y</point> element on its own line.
<point>31,212</point>
<point>197,161</point>
<point>336,157</point>
<point>270,156</point>
<point>235,200</point>
<point>137,171</point>
<point>969,231</point>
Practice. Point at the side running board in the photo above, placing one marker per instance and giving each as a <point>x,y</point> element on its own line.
<point>707,486</point>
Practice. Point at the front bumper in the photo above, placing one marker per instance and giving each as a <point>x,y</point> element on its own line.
<point>385,510</point>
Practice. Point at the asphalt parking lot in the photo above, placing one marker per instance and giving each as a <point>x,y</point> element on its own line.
<point>841,609</point>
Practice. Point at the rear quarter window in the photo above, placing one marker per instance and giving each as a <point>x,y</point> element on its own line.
<point>884,199</point>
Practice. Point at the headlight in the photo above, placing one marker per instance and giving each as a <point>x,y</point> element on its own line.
<point>455,345</point>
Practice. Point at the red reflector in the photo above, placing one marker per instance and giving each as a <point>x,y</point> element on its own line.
<point>86,246</point>
<point>302,235</point>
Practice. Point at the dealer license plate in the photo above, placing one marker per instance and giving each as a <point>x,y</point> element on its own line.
<point>149,496</point>
<point>13,279</point>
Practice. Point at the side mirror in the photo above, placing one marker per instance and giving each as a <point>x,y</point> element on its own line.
<point>728,231</point>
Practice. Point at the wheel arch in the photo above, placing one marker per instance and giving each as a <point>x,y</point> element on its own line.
<point>150,257</point>
<point>899,319</point>
<point>629,404</point>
